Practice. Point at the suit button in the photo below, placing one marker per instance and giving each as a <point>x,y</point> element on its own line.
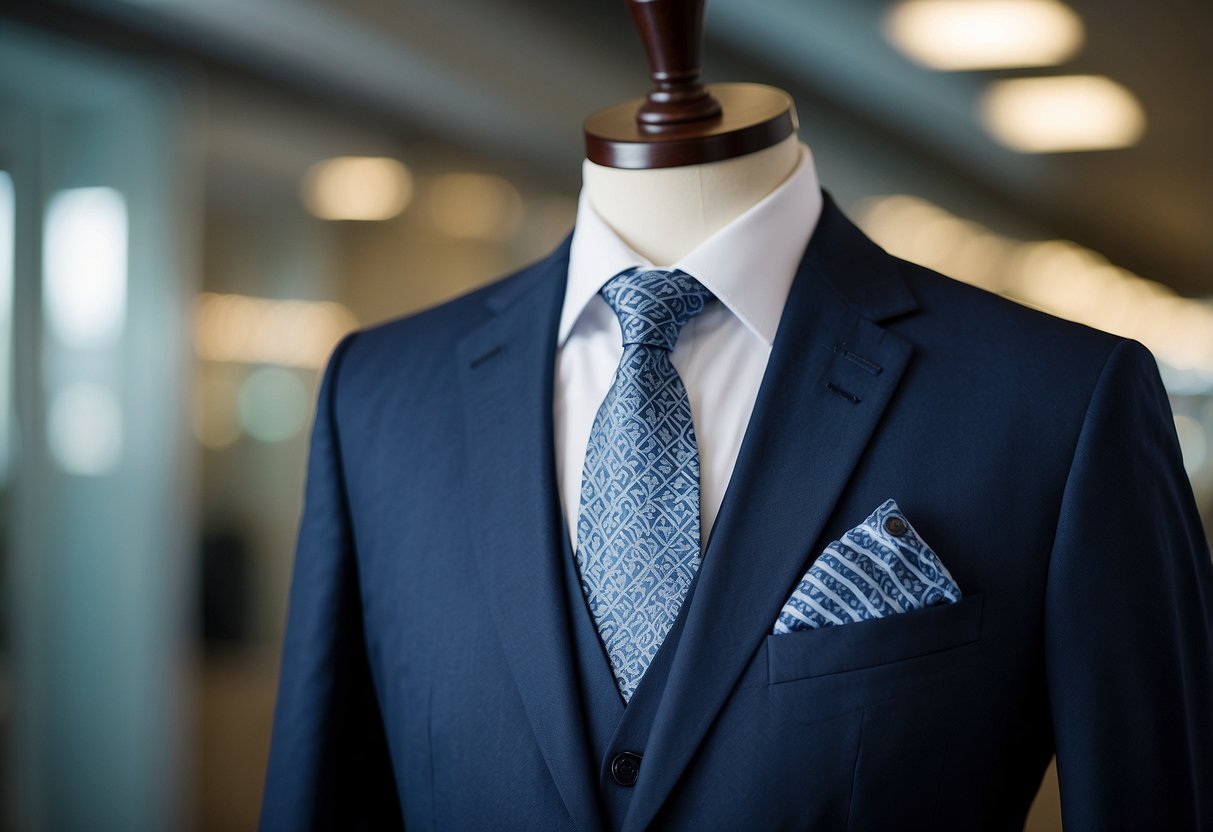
<point>895,526</point>
<point>625,768</point>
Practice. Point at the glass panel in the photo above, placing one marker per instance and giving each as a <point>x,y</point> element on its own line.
<point>85,266</point>
<point>8,215</point>
<point>84,291</point>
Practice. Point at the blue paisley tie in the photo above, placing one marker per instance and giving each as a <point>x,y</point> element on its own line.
<point>638,528</point>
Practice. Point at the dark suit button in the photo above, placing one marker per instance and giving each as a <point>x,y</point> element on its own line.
<point>895,526</point>
<point>625,768</point>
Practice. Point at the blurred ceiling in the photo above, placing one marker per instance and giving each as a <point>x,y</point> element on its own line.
<point>515,78</point>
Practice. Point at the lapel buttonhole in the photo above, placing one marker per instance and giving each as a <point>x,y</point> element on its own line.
<point>846,394</point>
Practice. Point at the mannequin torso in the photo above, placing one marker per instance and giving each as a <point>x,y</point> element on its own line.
<point>664,213</point>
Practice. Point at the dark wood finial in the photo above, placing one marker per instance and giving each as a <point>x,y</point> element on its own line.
<point>681,122</point>
<point>672,31</point>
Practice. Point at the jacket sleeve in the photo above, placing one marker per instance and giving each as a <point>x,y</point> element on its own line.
<point>328,766</point>
<point>1128,617</point>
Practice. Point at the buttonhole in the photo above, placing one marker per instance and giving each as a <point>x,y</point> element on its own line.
<point>476,362</point>
<point>846,394</point>
<point>858,360</point>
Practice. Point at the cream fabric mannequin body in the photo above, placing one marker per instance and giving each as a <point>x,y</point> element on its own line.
<point>664,213</point>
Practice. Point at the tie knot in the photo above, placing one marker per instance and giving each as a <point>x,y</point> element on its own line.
<point>652,306</point>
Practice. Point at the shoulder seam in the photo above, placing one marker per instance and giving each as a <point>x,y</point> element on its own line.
<point>340,352</point>
<point>1082,428</point>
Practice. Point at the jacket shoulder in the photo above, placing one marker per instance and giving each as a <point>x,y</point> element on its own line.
<point>961,317</point>
<point>416,345</point>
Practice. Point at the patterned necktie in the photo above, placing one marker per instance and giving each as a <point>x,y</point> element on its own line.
<point>638,528</point>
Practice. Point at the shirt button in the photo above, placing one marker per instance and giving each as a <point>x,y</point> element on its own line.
<point>895,526</point>
<point>625,768</point>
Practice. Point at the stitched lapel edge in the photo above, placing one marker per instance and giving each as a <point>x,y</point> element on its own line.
<point>803,443</point>
<point>506,372</point>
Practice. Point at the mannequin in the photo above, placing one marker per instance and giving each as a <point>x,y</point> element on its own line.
<point>663,213</point>
<point>668,170</point>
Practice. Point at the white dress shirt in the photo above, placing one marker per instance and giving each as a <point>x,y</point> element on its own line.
<point>721,354</point>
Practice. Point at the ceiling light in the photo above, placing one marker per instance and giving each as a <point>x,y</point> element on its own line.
<point>984,34</point>
<point>1058,276</point>
<point>1074,112</point>
<point>357,188</point>
<point>476,206</point>
<point>249,330</point>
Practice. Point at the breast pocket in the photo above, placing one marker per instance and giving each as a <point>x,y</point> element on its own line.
<point>848,648</point>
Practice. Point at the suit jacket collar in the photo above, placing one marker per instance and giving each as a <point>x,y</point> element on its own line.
<point>860,273</point>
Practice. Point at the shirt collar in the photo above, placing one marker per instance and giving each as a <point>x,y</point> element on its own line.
<point>748,265</point>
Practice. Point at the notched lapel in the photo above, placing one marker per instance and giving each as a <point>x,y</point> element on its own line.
<point>506,368</point>
<point>832,372</point>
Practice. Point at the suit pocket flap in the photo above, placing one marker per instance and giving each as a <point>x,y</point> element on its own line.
<point>880,641</point>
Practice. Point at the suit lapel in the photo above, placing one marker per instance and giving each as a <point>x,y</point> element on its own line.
<point>507,369</point>
<point>831,373</point>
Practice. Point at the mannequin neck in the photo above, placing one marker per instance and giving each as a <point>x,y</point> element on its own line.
<point>665,213</point>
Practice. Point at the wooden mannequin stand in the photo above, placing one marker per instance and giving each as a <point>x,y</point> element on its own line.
<point>682,122</point>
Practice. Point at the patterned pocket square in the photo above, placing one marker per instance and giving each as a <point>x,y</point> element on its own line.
<point>879,568</point>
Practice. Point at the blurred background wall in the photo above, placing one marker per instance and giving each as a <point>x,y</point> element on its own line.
<point>197,199</point>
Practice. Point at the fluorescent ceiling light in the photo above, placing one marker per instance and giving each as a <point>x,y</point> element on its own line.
<point>984,34</point>
<point>1057,276</point>
<point>248,330</point>
<point>475,206</point>
<point>357,188</point>
<point>1065,113</point>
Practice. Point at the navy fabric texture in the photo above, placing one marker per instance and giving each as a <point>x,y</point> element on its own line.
<point>431,678</point>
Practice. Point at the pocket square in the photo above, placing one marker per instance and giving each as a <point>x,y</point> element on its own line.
<point>879,568</point>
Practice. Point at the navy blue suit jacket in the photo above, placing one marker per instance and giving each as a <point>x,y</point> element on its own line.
<point>427,679</point>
